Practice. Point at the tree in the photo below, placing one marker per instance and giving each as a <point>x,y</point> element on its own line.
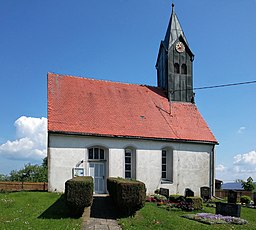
<point>248,185</point>
<point>31,173</point>
<point>4,177</point>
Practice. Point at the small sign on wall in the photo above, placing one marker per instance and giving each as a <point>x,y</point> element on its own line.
<point>78,172</point>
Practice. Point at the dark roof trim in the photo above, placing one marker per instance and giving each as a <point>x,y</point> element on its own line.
<point>133,137</point>
<point>159,51</point>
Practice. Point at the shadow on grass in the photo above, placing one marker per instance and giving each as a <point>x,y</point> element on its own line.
<point>103,207</point>
<point>59,210</point>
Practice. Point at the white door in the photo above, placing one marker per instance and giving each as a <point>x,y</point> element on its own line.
<point>97,171</point>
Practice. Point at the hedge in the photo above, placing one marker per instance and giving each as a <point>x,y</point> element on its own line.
<point>128,195</point>
<point>79,193</point>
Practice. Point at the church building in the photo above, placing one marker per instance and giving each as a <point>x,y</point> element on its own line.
<point>152,134</point>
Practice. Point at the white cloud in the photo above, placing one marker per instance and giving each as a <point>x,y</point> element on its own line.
<point>243,166</point>
<point>246,159</point>
<point>31,140</point>
<point>241,130</point>
<point>220,168</point>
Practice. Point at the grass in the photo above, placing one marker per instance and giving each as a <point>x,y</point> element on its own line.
<point>153,217</point>
<point>35,210</point>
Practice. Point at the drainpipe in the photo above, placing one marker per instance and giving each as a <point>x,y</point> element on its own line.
<point>212,171</point>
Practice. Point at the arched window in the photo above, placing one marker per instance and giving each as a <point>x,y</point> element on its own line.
<point>96,154</point>
<point>130,163</point>
<point>167,165</point>
<point>176,68</point>
<point>183,69</point>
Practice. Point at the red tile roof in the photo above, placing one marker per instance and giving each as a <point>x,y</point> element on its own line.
<point>95,107</point>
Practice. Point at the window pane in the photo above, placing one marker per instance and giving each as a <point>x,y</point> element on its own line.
<point>96,153</point>
<point>184,69</point>
<point>163,153</point>
<point>128,160</point>
<point>163,160</point>
<point>176,68</point>
<point>90,153</point>
<point>102,154</point>
<point>127,167</point>
<point>164,168</point>
<point>128,175</point>
<point>164,175</point>
<point>128,153</point>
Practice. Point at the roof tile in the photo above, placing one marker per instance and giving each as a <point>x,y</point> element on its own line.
<point>95,107</point>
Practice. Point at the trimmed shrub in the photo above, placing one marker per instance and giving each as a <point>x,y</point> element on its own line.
<point>128,195</point>
<point>79,193</point>
<point>196,202</point>
<point>245,199</point>
<point>176,198</point>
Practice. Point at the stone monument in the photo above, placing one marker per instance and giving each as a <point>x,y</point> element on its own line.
<point>230,208</point>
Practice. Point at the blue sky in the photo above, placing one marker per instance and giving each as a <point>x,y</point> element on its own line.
<point>119,40</point>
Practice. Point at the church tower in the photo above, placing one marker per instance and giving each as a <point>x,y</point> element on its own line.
<point>174,63</point>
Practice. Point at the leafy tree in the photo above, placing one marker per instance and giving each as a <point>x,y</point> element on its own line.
<point>31,173</point>
<point>248,185</point>
<point>4,177</point>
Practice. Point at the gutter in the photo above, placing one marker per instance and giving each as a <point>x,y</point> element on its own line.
<point>133,137</point>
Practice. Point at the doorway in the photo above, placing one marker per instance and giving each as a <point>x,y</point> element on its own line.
<point>97,172</point>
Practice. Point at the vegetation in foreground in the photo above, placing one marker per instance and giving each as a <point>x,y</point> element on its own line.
<point>29,173</point>
<point>35,210</point>
<point>153,217</point>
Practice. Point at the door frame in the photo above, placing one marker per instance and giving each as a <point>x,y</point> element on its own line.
<point>93,176</point>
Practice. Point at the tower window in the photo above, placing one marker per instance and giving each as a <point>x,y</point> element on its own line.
<point>176,68</point>
<point>183,69</point>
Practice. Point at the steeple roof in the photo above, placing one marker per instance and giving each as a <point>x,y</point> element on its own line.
<point>174,30</point>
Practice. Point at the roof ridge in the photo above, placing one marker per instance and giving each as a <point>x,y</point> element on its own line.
<point>101,80</point>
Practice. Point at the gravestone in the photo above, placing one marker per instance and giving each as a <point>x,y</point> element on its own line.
<point>164,192</point>
<point>205,193</point>
<point>254,198</point>
<point>189,192</point>
<point>232,197</point>
<point>228,209</point>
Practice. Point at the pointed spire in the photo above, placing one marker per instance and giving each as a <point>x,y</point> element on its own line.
<point>174,30</point>
<point>172,7</point>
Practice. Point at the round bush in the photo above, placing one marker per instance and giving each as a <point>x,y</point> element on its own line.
<point>245,199</point>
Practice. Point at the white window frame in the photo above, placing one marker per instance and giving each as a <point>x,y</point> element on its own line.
<point>166,166</point>
<point>96,154</point>
<point>130,163</point>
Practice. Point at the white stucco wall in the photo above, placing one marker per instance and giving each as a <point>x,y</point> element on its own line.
<point>191,162</point>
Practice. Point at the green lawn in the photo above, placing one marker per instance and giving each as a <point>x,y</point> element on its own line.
<point>35,210</point>
<point>153,217</point>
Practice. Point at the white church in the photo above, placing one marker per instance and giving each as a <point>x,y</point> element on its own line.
<point>152,134</point>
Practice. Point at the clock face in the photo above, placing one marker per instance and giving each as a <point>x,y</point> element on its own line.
<point>180,47</point>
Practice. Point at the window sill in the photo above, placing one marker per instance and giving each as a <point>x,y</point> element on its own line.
<point>96,160</point>
<point>166,182</point>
